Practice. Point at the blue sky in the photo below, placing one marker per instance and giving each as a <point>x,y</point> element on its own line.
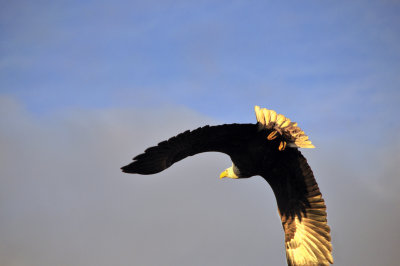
<point>70,70</point>
<point>201,54</point>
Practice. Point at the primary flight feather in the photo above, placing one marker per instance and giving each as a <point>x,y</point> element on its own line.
<point>268,148</point>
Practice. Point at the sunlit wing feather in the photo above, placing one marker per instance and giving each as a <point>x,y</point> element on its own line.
<point>268,119</point>
<point>303,213</point>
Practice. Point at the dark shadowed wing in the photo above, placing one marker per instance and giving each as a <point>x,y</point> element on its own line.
<point>223,138</point>
<point>302,210</point>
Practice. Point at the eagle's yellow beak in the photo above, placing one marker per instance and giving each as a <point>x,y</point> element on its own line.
<point>228,173</point>
<point>223,174</point>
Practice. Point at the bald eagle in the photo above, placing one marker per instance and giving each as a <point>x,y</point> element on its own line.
<point>269,149</point>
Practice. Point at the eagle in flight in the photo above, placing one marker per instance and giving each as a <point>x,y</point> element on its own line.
<point>269,149</point>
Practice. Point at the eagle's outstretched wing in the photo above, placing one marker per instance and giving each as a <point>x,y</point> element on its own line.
<point>302,210</point>
<point>222,138</point>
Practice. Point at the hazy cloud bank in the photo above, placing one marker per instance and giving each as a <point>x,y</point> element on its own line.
<point>64,201</point>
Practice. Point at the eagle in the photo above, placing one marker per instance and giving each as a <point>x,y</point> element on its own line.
<point>270,149</point>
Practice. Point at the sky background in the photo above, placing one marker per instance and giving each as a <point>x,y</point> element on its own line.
<point>87,85</point>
